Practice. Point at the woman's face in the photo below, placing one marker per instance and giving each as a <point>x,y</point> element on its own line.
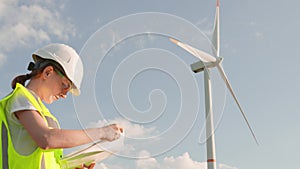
<point>55,85</point>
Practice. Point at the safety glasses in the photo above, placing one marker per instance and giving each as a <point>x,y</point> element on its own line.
<point>66,83</point>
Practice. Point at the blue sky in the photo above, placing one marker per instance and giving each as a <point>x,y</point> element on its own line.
<point>162,117</point>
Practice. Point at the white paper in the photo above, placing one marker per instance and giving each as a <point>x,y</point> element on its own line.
<point>93,153</point>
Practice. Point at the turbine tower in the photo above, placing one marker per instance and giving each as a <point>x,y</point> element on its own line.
<point>207,62</point>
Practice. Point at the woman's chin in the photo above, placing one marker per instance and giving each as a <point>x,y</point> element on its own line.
<point>50,100</point>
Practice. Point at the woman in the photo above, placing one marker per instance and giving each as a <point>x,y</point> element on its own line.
<point>31,137</point>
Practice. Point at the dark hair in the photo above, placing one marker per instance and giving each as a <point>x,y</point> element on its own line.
<point>36,69</point>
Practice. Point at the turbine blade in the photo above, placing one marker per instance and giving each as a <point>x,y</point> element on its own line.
<point>203,56</point>
<point>216,31</point>
<point>224,77</point>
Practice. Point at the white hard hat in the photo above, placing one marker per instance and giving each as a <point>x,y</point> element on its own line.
<point>68,59</point>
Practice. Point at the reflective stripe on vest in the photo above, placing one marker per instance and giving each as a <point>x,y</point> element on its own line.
<point>4,146</point>
<point>43,165</point>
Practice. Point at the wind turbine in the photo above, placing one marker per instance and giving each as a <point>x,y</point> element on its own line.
<point>208,61</point>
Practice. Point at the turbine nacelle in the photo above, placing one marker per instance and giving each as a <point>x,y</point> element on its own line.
<point>200,65</point>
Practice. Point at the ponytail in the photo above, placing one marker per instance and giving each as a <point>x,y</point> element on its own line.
<point>23,78</point>
<point>20,79</point>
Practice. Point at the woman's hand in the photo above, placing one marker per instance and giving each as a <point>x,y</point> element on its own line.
<point>111,132</point>
<point>83,166</point>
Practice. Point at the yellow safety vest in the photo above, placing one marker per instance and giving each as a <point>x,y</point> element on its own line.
<point>39,159</point>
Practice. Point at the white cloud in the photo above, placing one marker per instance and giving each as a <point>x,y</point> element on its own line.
<point>31,23</point>
<point>107,166</point>
<point>225,166</point>
<point>145,161</point>
<point>183,162</point>
<point>180,162</point>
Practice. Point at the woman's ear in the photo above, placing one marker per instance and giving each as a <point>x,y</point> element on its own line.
<point>47,72</point>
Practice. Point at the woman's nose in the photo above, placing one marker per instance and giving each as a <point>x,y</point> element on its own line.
<point>63,95</point>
